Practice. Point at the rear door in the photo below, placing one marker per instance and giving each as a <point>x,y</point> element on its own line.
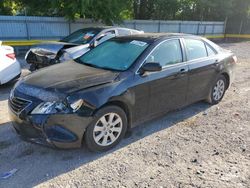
<point>203,66</point>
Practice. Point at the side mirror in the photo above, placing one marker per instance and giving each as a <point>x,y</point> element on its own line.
<point>100,37</point>
<point>151,67</point>
<point>93,44</point>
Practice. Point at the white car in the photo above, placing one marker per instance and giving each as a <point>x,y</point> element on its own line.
<point>9,66</point>
<point>73,46</point>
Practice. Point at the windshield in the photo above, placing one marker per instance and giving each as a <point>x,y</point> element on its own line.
<point>82,36</point>
<point>114,54</point>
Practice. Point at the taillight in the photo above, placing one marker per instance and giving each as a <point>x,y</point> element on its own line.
<point>11,56</point>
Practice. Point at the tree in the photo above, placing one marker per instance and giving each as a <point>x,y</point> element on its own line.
<point>113,11</point>
<point>108,11</point>
<point>207,10</point>
<point>9,7</point>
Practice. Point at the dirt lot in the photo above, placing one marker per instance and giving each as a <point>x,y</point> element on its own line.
<point>199,146</point>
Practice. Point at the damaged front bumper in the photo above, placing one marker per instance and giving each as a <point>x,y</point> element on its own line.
<point>55,130</point>
<point>40,60</point>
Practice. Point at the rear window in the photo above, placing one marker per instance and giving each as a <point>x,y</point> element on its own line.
<point>195,49</point>
<point>210,50</point>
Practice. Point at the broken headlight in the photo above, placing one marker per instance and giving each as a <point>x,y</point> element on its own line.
<point>57,107</point>
<point>50,108</point>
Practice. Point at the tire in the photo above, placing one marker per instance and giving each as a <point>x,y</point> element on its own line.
<point>218,90</point>
<point>101,134</point>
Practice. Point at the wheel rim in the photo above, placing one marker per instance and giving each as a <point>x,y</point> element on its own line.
<point>219,90</point>
<point>107,129</point>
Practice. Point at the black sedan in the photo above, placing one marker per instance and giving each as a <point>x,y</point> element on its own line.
<point>116,86</point>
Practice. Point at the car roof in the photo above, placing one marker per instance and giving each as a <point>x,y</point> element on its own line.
<point>151,37</point>
<point>108,27</point>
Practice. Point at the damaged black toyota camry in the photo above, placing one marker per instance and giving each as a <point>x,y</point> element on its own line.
<point>119,84</point>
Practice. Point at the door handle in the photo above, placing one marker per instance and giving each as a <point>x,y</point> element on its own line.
<point>183,71</point>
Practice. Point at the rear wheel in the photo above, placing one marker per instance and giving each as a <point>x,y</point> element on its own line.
<point>107,129</point>
<point>218,90</point>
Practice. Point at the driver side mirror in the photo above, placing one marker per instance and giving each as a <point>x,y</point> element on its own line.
<point>96,41</point>
<point>150,67</point>
<point>93,44</point>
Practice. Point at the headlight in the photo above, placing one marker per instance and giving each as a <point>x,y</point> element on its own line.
<point>57,107</point>
<point>76,105</point>
<point>65,57</point>
<point>50,108</point>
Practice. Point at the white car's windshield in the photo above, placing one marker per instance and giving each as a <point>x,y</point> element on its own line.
<point>82,36</point>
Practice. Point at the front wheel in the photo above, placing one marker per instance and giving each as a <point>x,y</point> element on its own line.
<point>107,129</point>
<point>218,90</point>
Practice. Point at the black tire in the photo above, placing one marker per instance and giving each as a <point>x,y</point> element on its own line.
<point>92,145</point>
<point>215,100</point>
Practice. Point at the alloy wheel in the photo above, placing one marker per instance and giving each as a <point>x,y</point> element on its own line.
<point>219,90</point>
<point>107,129</point>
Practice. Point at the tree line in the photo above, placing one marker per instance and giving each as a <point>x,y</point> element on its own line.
<point>114,11</point>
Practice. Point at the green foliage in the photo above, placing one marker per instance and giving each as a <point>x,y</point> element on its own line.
<point>9,7</point>
<point>114,11</point>
<point>207,10</point>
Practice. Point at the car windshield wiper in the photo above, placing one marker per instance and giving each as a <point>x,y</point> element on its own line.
<point>91,65</point>
<point>95,66</point>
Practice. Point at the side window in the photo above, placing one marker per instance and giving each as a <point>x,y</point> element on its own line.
<point>167,53</point>
<point>123,32</point>
<point>210,50</point>
<point>107,35</point>
<point>195,49</point>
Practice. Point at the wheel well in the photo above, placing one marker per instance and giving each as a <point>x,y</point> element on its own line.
<point>120,104</point>
<point>227,79</point>
<point>124,107</point>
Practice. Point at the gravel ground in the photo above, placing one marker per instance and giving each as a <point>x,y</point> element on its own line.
<point>198,146</point>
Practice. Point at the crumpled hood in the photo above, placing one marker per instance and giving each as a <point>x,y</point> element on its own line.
<point>50,48</point>
<point>69,77</point>
<point>77,51</point>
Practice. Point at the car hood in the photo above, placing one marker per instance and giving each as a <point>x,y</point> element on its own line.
<point>77,51</point>
<point>69,77</point>
<point>50,48</point>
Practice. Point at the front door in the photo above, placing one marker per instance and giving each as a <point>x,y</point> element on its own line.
<point>168,87</point>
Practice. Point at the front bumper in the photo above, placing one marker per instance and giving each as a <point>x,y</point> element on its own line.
<point>39,60</point>
<point>57,130</point>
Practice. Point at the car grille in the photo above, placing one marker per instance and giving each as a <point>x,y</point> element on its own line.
<point>18,104</point>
